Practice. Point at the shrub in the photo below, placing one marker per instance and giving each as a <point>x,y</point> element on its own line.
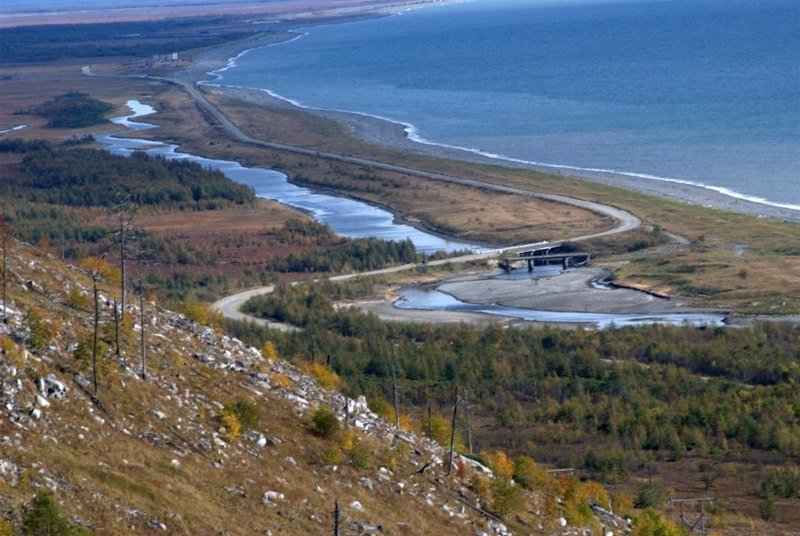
<point>269,352</point>
<point>651,496</point>
<point>649,523</point>
<point>324,422</point>
<point>11,352</point>
<point>506,497</point>
<point>246,412</point>
<point>333,455</point>
<point>323,374</point>
<point>782,482</point>
<point>767,509</point>
<point>44,519</point>
<point>42,330</point>
<point>359,456</point>
<point>230,423</point>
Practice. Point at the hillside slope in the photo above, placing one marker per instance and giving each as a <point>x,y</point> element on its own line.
<point>165,455</point>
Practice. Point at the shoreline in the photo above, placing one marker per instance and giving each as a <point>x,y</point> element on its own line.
<point>399,136</point>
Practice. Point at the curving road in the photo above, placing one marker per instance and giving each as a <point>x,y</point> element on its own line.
<point>230,305</point>
<point>626,220</point>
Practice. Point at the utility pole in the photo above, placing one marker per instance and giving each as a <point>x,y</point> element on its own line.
<point>453,430</point>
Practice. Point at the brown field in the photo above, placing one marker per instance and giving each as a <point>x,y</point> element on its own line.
<point>239,239</point>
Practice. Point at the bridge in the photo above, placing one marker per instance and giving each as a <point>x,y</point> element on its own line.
<point>542,256</point>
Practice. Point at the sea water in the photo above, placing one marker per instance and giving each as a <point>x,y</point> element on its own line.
<point>706,91</point>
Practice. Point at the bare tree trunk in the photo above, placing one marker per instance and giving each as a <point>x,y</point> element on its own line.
<point>5,266</point>
<point>122,265</point>
<point>141,321</point>
<point>453,430</point>
<point>466,417</point>
<point>94,338</point>
<point>336,518</point>
<point>116,327</point>
<point>394,390</point>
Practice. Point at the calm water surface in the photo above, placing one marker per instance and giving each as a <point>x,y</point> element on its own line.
<point>706,91</point>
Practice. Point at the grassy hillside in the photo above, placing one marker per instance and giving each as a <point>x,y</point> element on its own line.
<point>217,436</point>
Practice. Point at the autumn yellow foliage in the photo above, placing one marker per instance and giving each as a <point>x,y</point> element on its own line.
<point>324,375</point>
<point>231,424</point>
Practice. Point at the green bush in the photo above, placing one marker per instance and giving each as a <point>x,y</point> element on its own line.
<point>359,456</point>
<point>44,519</point>
<point>246,412</point>
<point>651,496</point>
<point>324,423</point>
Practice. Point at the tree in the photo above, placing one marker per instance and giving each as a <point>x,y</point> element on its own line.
<point>5,231</point>
<point>324,422</point>
<point>44,519</point>
<point>98,269</point>
<point>649,523</point>
<point>123,213</point>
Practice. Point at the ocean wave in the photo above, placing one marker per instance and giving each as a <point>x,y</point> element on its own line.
<point>231,63</point>
<point>413,134</point>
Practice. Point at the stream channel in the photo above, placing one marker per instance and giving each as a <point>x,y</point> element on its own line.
<point>355,219</point>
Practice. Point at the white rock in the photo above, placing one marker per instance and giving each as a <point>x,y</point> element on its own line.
<point>175,463</point>
<point>562,521</point>
<point>159,414</point>
<point>36,413</point>
<point>355,505</point>
<point>153,524</point>
<point>271,498</point>
<point>42,401</point>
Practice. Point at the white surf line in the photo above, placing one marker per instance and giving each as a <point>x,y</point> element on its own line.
<point>13,129</point>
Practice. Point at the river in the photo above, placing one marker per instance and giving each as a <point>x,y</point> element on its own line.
<point>347,217</point>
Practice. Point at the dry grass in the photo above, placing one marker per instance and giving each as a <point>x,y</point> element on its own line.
<point>120,467</point>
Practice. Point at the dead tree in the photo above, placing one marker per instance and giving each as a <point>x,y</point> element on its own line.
<point>466,418</point>
<point>394,389</point>
<point>123,213</point>
<point>142,341</point>
<point>453,430</point>
<point>5,232</point>
<point>336,517</point>
<point>95,276</point>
